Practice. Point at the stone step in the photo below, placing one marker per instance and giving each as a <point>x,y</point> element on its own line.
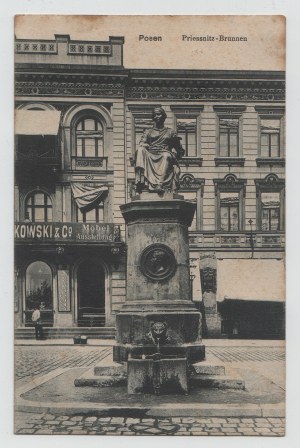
<point>63,333</point>
<point>208,368</point>
<point>89,379</point>
<point>217,381</point>
<point>110,369</point>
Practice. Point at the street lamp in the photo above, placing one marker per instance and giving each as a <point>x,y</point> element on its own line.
<point>251,238</point>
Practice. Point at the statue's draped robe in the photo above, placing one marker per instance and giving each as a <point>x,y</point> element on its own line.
<point>156,166</point>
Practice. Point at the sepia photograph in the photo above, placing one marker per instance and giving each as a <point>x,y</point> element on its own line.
<point>149,225</point>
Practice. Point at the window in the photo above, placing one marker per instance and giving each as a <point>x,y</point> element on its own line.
<point>229,211</point>
<point>94,215</point>
<point>230,194</point>
<point>229,137</point>
<point>89,138</point>
<point>270,211</point>
<point>38,286</point>
<point>270,137</point>
<point>192,189</point>
<point>270,203</point>
<point>187,122</point>
<point>38,207</point>
<point>191,196</point>
<point>187,131</point>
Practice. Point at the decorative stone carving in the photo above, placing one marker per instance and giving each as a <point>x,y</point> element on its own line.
<point>69,88</point>
<point>158,262</point>
<point>189,182</point>
<point>208,92</point>
<point>157,334</point>
<point>64,304</point>
<point>208,279</point>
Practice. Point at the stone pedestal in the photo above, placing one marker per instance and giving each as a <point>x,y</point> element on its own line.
<point>158,315</point>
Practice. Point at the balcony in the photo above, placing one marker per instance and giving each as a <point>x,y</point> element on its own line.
<point>89,163</point>
<point>237,240</point>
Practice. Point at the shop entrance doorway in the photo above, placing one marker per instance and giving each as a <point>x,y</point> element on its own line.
<point>91,295</point>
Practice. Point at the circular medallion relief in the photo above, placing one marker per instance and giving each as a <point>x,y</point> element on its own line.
<point>158,262</point>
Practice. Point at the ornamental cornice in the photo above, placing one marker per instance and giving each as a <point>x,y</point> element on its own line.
<point>211,93</point>
<point>69,89</point>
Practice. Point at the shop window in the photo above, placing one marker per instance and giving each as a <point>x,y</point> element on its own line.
<point>38,207</point>
<point>38,286</point>
<point>187,131</point>
<point>89,138</point>
<point>229,211</point>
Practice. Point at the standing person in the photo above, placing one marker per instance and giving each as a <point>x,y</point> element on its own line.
<point>36,319</point>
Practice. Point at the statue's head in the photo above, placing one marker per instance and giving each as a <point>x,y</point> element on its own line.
<point>159,114</point>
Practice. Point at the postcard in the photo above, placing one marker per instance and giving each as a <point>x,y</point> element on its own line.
<point>149,225</point>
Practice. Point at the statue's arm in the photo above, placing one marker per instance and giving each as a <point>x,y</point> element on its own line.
<point>177,147</point>
<point>144,139</point>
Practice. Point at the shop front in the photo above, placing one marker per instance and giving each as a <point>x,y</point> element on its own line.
<point>67,270</point>
<point>251,298</point>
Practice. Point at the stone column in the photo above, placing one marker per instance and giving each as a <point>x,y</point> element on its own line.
<point>208,274</point>
<point>158,306</point>
<point>63,315</point>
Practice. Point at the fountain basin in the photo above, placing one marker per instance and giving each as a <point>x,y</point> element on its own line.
<point>157,374</point>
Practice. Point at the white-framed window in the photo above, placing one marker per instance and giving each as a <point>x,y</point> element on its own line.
<point>89,137</point>
<point>187,131</point>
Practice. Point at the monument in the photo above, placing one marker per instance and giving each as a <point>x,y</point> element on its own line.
<point>158,330</point>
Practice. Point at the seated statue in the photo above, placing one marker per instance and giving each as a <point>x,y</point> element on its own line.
<point>156,162</point>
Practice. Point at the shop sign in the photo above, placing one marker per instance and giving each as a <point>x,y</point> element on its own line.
<point>66,232</point>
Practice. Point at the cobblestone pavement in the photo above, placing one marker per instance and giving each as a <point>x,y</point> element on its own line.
<point>174,426</point>
<point>39,360</point>
<point>31,361</point>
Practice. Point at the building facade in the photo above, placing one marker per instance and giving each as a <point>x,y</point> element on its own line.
<point>79,116</point>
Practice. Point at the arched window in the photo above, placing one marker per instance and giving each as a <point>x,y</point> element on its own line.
<point>38,286</point>
<point>89,137</point>
<point>38,207</point>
